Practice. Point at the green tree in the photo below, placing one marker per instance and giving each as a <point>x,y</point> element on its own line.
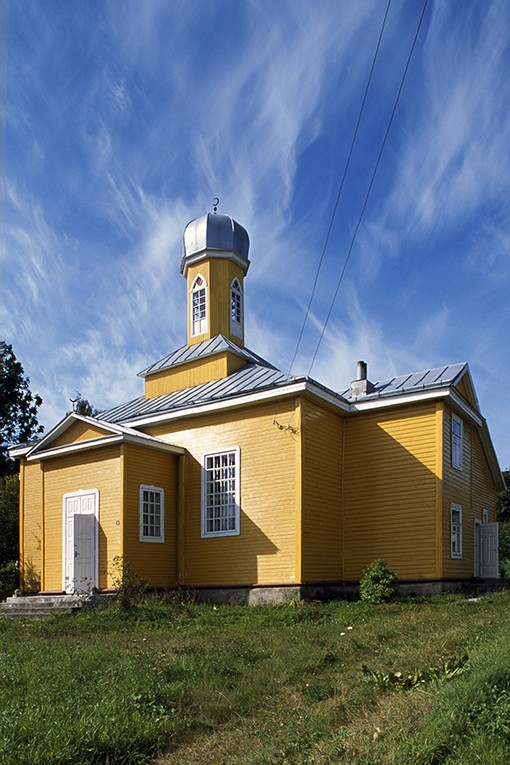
<point>18,408</point>
<point>503,505</point>
<point>83,406</point>
<point>9,491</point>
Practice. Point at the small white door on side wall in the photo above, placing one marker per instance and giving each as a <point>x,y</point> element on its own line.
<point>488,550</point>
<point>80,564</point>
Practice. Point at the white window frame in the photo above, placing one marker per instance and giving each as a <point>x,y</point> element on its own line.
<point>231,521</point>
<point>199,324</point>
<point>236,308</point>
<point>160,538</point>
<point>456,530</point>
<point>485,516</point>
<point>456,444</point>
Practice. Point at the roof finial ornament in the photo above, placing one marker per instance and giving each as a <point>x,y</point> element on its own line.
<point>215,202</point>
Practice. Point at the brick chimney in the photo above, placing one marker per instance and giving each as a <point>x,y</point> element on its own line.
<point>361,386</point>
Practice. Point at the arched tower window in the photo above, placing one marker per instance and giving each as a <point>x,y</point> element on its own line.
<point>199,306</point>
<point>236,309</point>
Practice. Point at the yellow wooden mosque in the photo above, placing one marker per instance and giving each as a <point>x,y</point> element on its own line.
<point>252,485</point>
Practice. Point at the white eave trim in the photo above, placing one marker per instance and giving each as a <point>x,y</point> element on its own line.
<point>96,443</point>
<point>16,452</point>
<point>212,252</point>
<point>294,389</point>
<point>456,400</point>
<point>398,399</point>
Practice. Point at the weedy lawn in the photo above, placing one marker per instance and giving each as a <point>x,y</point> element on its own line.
<point>417,681</point>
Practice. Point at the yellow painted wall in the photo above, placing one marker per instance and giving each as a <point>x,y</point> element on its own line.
<point>322,499</point>
<point>94,469</point>
<point>473,489</point>
<point>79,431</point>
<point>461,387</point>
<point>156,562</point>
<point>390,491</point>
<point>264,552</point>
<point>193,373</point>
<point>30,525</point>
<point>219,274</point>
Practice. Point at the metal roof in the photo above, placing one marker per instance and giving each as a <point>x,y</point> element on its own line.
<point>256,378</point>
<point>217,344</point>
<point>251,378</point>
<point>441,377</point>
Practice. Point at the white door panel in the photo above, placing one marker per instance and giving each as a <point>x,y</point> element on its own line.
<point>81,517</point>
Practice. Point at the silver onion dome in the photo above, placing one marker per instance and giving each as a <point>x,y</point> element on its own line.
<point>215,235</point>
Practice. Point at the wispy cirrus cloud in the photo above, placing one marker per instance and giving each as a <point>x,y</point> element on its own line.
<point>455,148</point>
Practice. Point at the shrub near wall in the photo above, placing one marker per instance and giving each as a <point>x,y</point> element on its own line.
<point>378,584</point>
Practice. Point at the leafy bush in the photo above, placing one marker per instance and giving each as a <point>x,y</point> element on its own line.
<point>129,587</point>
<point>9,578</point>
<point>378,583</point>
<point>504,549</point>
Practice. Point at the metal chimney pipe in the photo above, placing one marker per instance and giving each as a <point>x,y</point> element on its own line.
<point>362,370</point>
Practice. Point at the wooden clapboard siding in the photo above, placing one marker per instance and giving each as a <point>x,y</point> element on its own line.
<point>219,274</point>
<point>30,526</point>
<point>94,469</point>
<point>154,561</point>
<point>79,431</point>
<point>390,491</point>
<point>457,489</point>
<point>472,488</point>
<point>322,501</point>
<point>193,373</point>
<point>484,494</point>
<point>264,552</point>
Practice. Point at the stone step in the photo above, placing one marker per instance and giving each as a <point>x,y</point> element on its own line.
<point>41,606</point>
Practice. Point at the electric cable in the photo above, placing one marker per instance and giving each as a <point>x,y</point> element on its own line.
<point>341,187</point>
<point>369,188</point>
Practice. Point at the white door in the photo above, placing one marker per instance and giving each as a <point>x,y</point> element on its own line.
<point>488,550</point>
<point>80,541</point>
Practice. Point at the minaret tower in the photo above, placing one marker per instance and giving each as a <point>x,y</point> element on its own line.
<point>215,262</point>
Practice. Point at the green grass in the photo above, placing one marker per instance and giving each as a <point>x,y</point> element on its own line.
<point>196,683</point>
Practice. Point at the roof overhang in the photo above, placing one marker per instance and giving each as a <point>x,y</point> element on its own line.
<point>296,388</point>
<point>211,252</point>
<point>398,398</point>
<point>113,434</point>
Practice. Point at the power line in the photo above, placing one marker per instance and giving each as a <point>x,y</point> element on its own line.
<point>369,187</point>
<point>341,187</point>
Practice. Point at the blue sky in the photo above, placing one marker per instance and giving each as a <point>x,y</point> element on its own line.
<point>124,119</point>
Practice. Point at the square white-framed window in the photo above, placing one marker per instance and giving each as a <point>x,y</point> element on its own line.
<point>152,514</point>
<point>456,442</point>
<point>456,530</point>
<point>221,493</point>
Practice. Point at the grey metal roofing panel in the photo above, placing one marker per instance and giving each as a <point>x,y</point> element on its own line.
<point>418,381</point>
<point>254,378</point>
<point>217,344</point>
<point>249,379</point>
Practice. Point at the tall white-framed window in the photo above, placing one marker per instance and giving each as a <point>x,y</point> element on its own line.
<point>485,516</point>
<point>456,530</point>
<point>236,309</point>
<point>152,514</point>
<point>199,306</point>
<point>456,442</point>
<point>221,493</point>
